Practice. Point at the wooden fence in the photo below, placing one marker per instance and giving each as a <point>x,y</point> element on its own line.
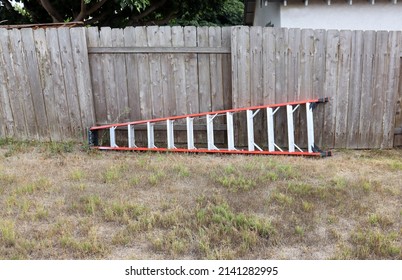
<point>359,71</point>
<point>46,90</point>
<point>57,82</point>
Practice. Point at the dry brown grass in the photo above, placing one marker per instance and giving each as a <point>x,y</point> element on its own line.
<point>60,201</point>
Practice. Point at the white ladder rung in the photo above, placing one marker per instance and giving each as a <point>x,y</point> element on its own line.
<point>270,129</point>
<point>112,134</point>
<point>150,134</point>
<point>170,134</point>
<point>250,130</point>
<point>131,136</point>
<point>230,131</point>
<point>210,132</point>
<point>190,133</point>
<point>291,135</point>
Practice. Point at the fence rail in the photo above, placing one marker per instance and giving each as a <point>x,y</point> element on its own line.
<point>56,82</point>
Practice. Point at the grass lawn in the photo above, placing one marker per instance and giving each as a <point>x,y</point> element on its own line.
<point>62,201</point>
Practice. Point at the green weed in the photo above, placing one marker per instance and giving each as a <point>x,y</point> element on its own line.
<point>156,177</point>
<point>77,175</point>
<point>379,220</point>
<point>122,212</point>
<point>182,170</point>
<point>7,233</point>
<point>281,198</point>
<point>396,165</point>
<point>7,179</point>
<point>90,205</point>
<point>299,230</point>
<point>236,182</point>
<point>375,245</point>
<point>111,175</point>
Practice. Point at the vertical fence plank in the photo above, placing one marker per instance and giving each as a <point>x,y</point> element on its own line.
<point>215,40</point>
<point>156,78</point>
<point>380,76</point>
<point>46,80</point>
<point>22,85</point>
<point>11,82</point>
<point>179,71</point>
<point>7,116</point>
<point>119,64</point>
<point>95,62</point>
<point>307,71</point>
<point>241,78</point>
<point>204,77</point>
<point>60,104</point>
<point>81,66</point>
<point>132,63</point>
<point>281,95</point>
<point>35,83</point>
<point>295,73</point>
<point>342,92</point>
<point>144,74</point>
<point>191,67</point>
<point>331,76</point>
<point>70,83</point>
<point>355,89</point>
<point>269,76</point>
<point>256,83</point>
<point>391,88</point>
<point>167,70</point>
<point>227,69</point>
<point>318,85</point>
<point>398,113</point>
<point>366,117</point>
<point>109,76</point>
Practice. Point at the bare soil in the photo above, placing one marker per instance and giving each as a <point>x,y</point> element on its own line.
<point>60,201</point>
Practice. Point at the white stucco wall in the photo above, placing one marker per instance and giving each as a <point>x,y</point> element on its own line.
<point>359,16</point>
<point>267,15</point>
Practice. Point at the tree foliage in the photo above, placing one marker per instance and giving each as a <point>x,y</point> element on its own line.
<point>120,13</point>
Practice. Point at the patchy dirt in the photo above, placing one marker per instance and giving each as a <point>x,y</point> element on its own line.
<point>58,203</point>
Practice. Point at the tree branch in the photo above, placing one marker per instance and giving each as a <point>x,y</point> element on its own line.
<point>82,13</point>
<point>96,7</point>
<point>148,11</point>
<point>8,5</point>
<point>97,20</point>
<point>162,21</point>
<point>51,11</point>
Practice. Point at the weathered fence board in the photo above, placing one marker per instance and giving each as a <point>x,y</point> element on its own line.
<point>355,87</point>
<point>35,83</point>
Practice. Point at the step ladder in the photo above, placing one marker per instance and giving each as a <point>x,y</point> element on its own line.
<point>252,147</point>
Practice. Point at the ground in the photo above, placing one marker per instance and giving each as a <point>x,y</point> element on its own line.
<point>64,201</point>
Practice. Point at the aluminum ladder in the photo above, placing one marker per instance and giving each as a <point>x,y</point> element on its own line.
<point>252,147</point>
